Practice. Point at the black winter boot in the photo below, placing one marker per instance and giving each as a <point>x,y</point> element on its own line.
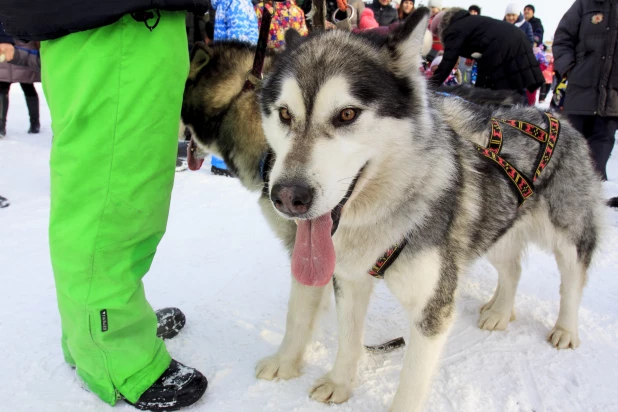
<point>169,322</point>
<point>178,387</point>
<point>217,171</point>
<point>4,202</point>
<point>613,202</point>
<point>181,157</point>
<point>4,109</point>
<point>33,108</point>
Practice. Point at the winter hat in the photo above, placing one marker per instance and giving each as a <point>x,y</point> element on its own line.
<point>367,20</point>
<point>512,8</point>
<point>475,8</point>
<point>435,3</point>
<point>531,7</point>
<point>435,23</point>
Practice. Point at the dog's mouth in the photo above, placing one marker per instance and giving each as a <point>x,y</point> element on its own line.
<point>195,158</point>
<point>313,258</point>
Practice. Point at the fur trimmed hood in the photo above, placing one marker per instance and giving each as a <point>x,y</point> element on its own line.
<point>448,17</point>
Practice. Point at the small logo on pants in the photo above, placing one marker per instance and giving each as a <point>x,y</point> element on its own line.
<point>104,320</point>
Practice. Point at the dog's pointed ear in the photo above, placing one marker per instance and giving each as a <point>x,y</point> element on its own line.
<point>292,38</point>
<point>406,43</point>
<point>200,56</point>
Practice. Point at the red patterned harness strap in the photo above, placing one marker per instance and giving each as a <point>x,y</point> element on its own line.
<point>549,138</point>
<point>528,129</point>
<point>552,139</point>
<point>387,259</point>
<point>492,152</point>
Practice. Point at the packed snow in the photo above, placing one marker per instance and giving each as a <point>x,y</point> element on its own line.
<point>220,263</point>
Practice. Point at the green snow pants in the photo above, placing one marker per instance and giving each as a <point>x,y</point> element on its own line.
<point>115,95</point>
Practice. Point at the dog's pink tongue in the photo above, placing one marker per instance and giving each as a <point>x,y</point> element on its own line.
<point>313,259</point>
<point>193,162</point>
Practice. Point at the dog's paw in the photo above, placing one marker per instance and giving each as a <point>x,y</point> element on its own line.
<point>492,319</point>
<point>327,391</point>
<point>274,367</point>
<point>561,338</point>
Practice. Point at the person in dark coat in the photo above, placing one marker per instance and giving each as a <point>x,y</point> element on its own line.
<point>26,77</point>
<point>114,75</point>
<point>384,13</point>
<point>504,54</point>
<point>585,52</point>
<point>514,16</point>
<point>537,26</point>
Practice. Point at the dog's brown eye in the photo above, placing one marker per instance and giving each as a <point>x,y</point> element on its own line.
<point>284,115</point>
<point>347,115</point>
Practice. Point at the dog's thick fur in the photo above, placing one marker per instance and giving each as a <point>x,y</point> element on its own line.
<point>422,179</point>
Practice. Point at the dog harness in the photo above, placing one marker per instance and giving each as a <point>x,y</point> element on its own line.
<point>548,139</point>
<point>522,185</point>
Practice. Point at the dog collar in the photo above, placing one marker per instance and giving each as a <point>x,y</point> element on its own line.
<point>387,259</point>
<point>265,165</point>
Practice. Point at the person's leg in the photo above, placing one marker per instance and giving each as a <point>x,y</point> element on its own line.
<point>218,167</point>
<point>579,122</point>
<point>543,92</point>
<point>32,101</point>
<point>114,95</point>
<point>604,136</point>
<point>531,98</point>
<point>600,135</point>
<point>4,106</point>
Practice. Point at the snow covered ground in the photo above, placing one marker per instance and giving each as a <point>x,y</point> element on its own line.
<point>222,266</point>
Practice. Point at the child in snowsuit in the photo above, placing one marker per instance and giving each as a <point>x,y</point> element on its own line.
<point>286,15</point>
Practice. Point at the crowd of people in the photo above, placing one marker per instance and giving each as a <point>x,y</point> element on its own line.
<point>101,60</point>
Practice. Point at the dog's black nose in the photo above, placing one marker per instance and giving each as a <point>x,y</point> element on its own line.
<point>292,199</point>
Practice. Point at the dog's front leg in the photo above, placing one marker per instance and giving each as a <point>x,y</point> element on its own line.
<point>427,292</point>
<point>418,369</point>
<point>352,298</point>
<point>302,312</point>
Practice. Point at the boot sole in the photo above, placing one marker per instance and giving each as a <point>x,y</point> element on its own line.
<point>180,403</point>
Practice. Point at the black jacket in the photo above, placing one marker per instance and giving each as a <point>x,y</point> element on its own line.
<point>5,38</point>
<point>537,29</point>
<point>585,52</point>
<point>384,15</point>
<point>507,60</point>
<point>38,20</point>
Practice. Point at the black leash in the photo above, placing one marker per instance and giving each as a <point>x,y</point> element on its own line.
<point>255,75</point>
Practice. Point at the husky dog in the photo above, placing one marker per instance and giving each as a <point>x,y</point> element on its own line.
<point>367,157</point>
